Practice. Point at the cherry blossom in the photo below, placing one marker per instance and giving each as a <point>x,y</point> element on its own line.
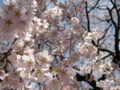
<point>54,45</point>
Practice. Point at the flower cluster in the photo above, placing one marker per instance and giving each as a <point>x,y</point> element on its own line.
<point>50,49</point>
<point>53,12</point>
<point>16,17</point>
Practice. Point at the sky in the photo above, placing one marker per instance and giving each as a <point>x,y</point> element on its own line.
<point>1,1</point>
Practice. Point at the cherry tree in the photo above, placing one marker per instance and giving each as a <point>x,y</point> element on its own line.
<point>60,45</point>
